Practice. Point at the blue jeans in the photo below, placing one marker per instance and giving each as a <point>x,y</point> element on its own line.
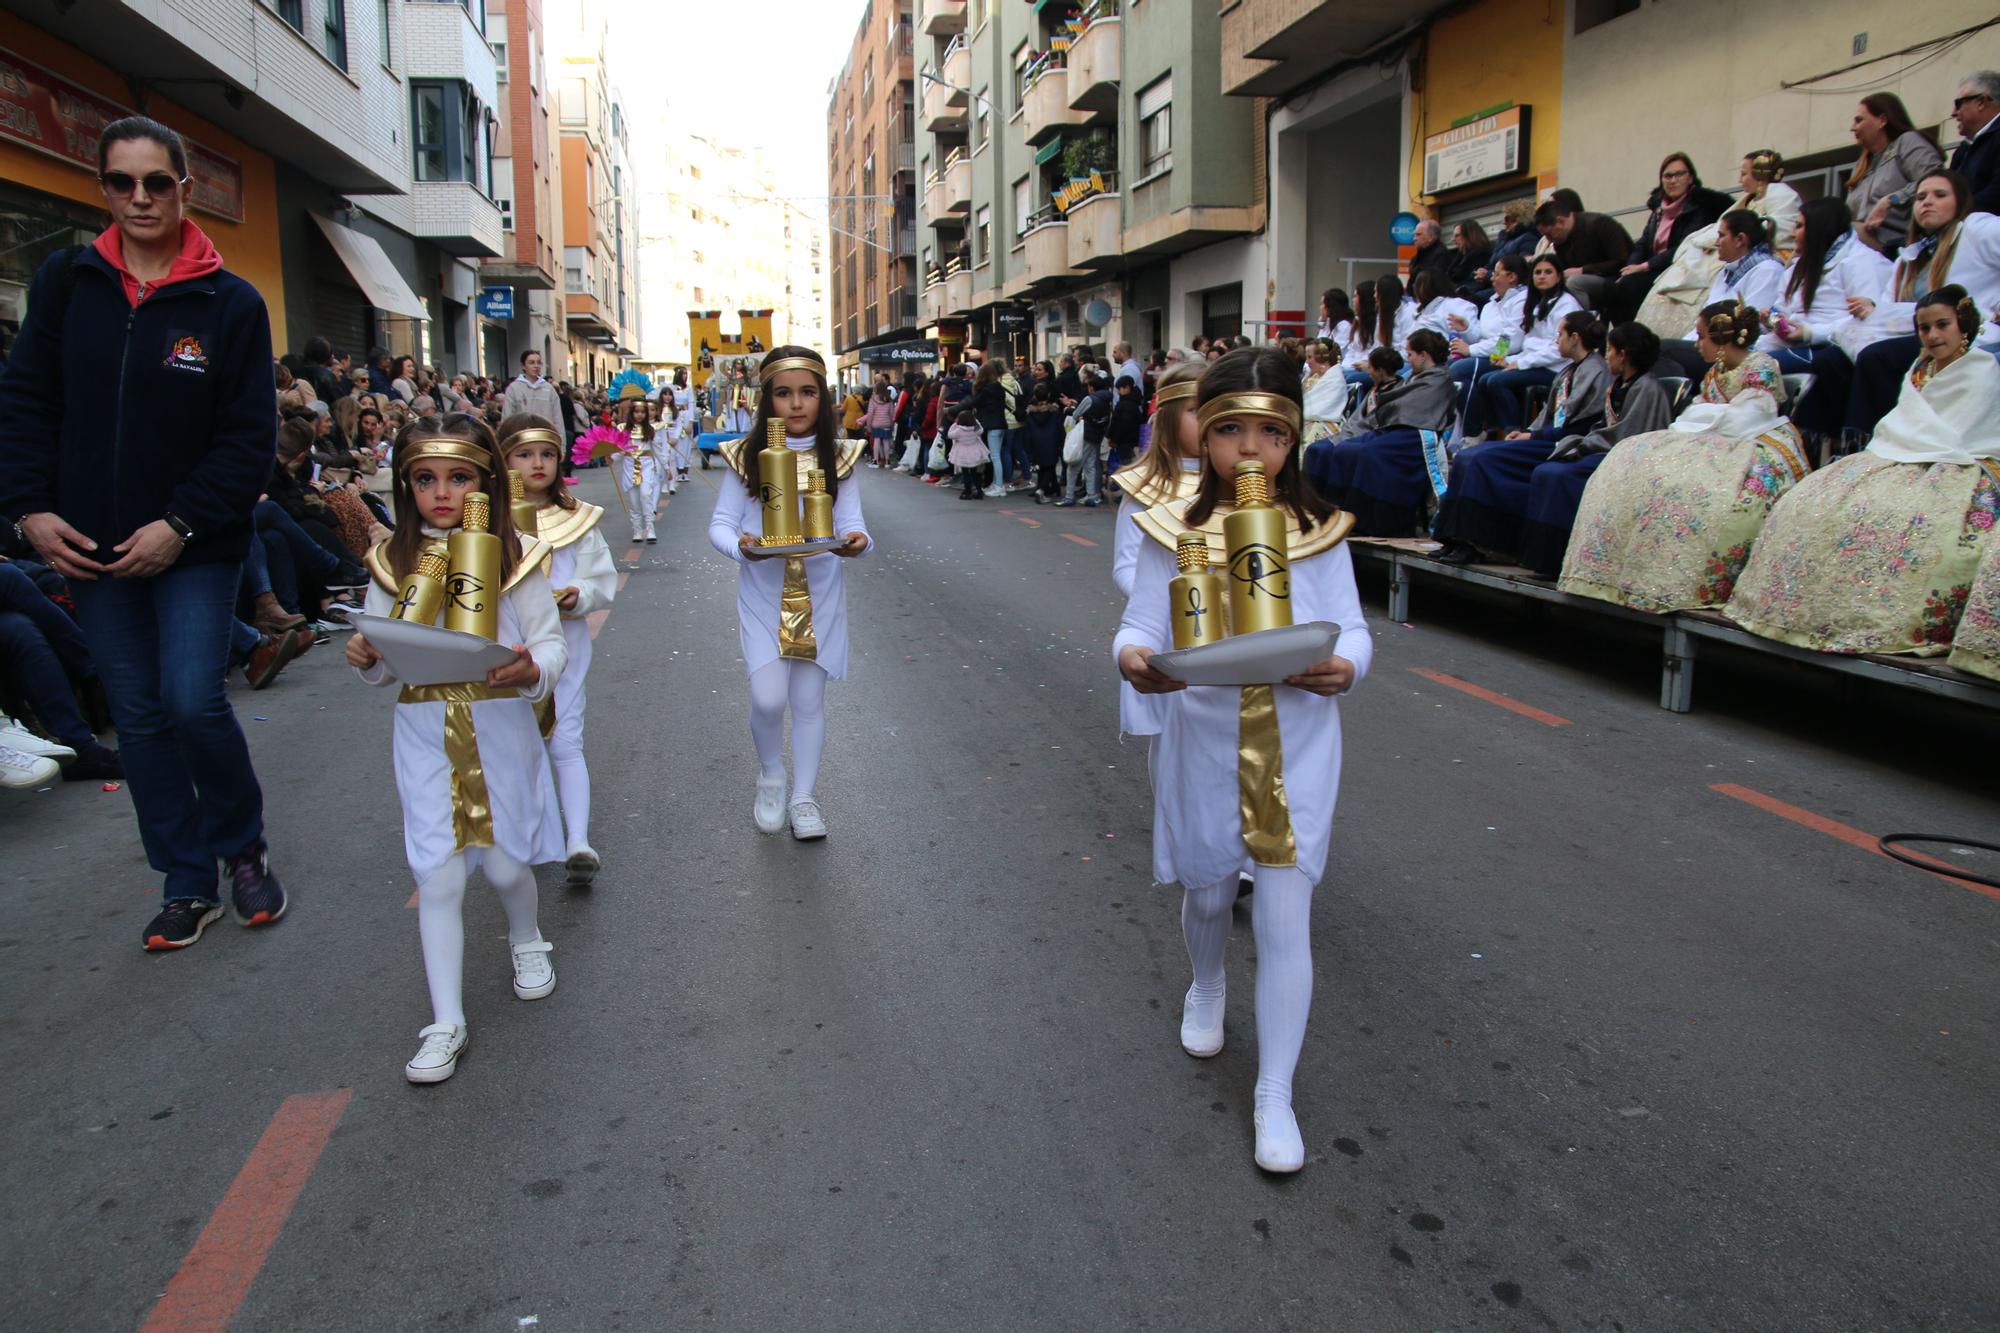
<point>1089,472</point>
<point>162,649</point>
<point>1496,399</point>
<point>42,649</point>
<point>1018,457</point>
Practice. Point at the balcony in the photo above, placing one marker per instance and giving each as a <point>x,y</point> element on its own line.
<point>1045,105</point>
<point>1044,254</point>
<point>958,293</point>
<point>936,211</point>
<point>944,18</point>
<point>457,218</point>
<point>932,308</point>
<point>957,182</point>
<point>1095,68</point>
<point>1270,49</point>
<point>1096,231</point>
<point>943,110</point>
<point>586,316</point>
<point>956,68</point>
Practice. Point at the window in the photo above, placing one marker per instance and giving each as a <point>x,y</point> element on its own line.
<point>499,61</point>
<point>293,12</point>
<point>336,32</point>
<point>1156,128</point>
<point>1024,204</point>
<point>982,236</point>
<point>427,130</point>
<point>1023,57</point>
<point>975,15</point>
<point>382,32</point>
<point>448,133</point>
<point>868,76</point>
<point>496,39</point>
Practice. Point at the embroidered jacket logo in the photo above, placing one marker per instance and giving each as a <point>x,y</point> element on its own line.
<point>187,355</point>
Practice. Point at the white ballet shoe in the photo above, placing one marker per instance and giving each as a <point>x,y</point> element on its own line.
<point>437,1059</point>
<point>1201,1041</point>
<point>808,825</point>
<point>770,808</point>
<point>1280,1150</point>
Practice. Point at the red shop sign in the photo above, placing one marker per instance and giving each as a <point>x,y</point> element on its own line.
<point>50,114</point>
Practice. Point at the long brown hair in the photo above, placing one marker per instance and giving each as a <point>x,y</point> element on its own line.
<point>826,452</point>
<point>1161,463</point>
<point>1895,124</point>
<point>408,541</point>
<point>645,422</point>
<point>1947,236</point>
<point>559,494</point>
<point>1259,370</point>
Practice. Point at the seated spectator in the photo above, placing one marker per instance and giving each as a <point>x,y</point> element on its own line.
<point>1750,274</point>
<point>403,379</point>
<point>1360,339</point>
<point>1894,157</point>
<point>1436,308</point>
<point>1679,206</point>
<point>1517,237</point>
<point>1949,245</point>
<point>1830,267</point>
<point>1683,287</point>
<point>1472,255</point>
<point>1668,520</point>
<point>45,661</point>
<point>1976,108</point>
<point>1590,248</point>
<point>1486,500</point>
<point>1336,316</point>
<point>1431,253</point>
<point>1876,552</point>
<point>1496,330</point>
<point>1495,403</point>
<point>1393,319</point>
<point>1325,391</point>
<point>1374,467</point>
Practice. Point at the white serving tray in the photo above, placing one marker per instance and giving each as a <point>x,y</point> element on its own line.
<point>816,546</point>
<point>430,654</point>
<point>1263,658</point>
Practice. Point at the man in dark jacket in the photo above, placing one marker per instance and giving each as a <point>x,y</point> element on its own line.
<point>1976,108</point>
<point>137,429</point>
<point>329,385</point>
<point>1432,252</point>
<point>1591,247</point>
<point>1128,413</point>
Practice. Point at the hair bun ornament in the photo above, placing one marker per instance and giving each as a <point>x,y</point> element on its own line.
<point>1767,166</point>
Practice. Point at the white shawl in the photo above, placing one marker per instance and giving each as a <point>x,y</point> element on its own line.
<point>1954,418</point>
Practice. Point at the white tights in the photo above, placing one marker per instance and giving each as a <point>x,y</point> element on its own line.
<point>572,786</point>
<point>1281,920</point>
<point>441,923</point>
<point>802,685</point>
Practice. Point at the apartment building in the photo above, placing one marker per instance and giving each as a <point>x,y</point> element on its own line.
<point>1053,208</point>
<point>600,196</point>
<point>525,279</point>
<point>340,151</point>
<point>871,175</point>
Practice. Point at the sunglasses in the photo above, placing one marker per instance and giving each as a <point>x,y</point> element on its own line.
<point>1958,102</point>
<point>157,183</point>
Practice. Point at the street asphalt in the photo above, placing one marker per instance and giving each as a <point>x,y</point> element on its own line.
<point>1618,1022</point>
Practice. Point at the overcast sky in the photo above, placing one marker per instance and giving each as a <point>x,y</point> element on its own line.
<point>751,73</point>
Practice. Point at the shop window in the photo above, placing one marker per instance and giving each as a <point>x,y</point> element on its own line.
<point>336,32</point>
<point>1591,13</point>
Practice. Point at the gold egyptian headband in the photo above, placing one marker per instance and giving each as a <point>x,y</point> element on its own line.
<point>443,446</point>
<point>1187,388</point>
<point>772,369</point>
<point>532,435</point>
<point>1274,406</point>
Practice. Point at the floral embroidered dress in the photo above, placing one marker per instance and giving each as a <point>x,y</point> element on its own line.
<point>1668,520</point>
<point>1876,553</point>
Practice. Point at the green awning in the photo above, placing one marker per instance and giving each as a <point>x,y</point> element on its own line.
<point>1049,151</point>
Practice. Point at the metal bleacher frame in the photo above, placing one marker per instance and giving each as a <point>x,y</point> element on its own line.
<point>1680,633</point>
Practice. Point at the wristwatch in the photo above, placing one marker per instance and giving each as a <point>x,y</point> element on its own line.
<point>181,530</point>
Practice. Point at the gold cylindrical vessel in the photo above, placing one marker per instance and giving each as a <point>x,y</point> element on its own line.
<point>423,591</point>
<point>778,488</point>
<point>1196,596</point>
<point>1260,567</point>
<point>818,507</point>
<point>524,510</point>
<point>472,589</point>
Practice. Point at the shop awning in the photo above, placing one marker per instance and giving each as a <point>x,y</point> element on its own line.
<point>1049,151</point>
<point>372,272</point>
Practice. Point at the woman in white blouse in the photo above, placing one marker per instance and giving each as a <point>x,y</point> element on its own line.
<point>1438,309</point>
<point>1832,270</point>
<point>1474,342</point>
<point>1750,274</point>
<point>1495,404</point>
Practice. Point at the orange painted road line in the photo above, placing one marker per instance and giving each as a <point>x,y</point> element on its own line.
<point>623,577</point>
<point>596,621</point>
<point>1072,537</point>
<point>632,555</point>
<point>1493,697</point>
<point>1833,828</point>
<point>217,1274</point>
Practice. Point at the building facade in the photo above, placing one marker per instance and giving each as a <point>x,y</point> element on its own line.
<point>600,198</point>
<point>872,211</point>
<point>528,190</point>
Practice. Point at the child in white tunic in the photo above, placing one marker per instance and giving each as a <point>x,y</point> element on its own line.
<point>685,427</point>
<point>1168,470</point>
<point>637,471</point>
<point>471,773</point>
<point>583,580</point>
<point>1223,755</point>
<point>791,611</point>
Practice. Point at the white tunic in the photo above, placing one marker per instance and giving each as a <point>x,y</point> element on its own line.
<point>760,584</point>
<point>1136,714</point>
<point>527,823</point>
<point>586,565</point>
<point>1197,822</point>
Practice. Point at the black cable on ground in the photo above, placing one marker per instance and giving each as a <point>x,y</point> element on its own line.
<point>1934,866</point>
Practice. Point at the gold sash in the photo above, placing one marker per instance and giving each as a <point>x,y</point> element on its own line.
<point>1260,780</point>
<point>471,815</point>
<point>795,615</point>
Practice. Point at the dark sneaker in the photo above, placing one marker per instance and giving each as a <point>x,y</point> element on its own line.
<point>180,924</point>
<point>258,897</point>
<point>99,763</point>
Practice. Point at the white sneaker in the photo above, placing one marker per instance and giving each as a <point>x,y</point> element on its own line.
<point>1280,1150</point>
<point>996,492</point>
<point>533,976</point>
<point>583,863</point>
<point>25,771</point>
<point>770,808</point>
<point>807,825</point>
<point>17,737</point>
<point>1201,1040</point>
<point>437,1059</point>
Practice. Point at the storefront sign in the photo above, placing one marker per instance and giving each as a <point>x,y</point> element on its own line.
<point>1012,319</point>
<point>1481,149</point>
<point>1403,229</point>
<point>52,115</point>
<point>922,350</point>
<point>496,302</point>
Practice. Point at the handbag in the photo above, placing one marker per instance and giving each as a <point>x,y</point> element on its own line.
<point>1074,446</point>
